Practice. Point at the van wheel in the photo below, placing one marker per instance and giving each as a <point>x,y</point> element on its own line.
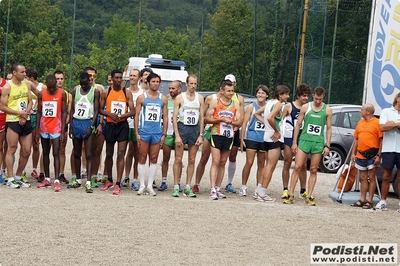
<point>332,162</point>
<point>395,186</point>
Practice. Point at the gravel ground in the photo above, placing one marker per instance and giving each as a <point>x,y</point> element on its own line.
<point>41,227</point>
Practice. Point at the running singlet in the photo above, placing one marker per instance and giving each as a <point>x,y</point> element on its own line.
<point>17,100</point>
<point>314,124</point>
<point>269,131</point>
<point>291,121</point>
<point>2,114</point>
<point>170,107</point>
<point>255,129</point>
<point>116,104</point>
<point>50,121</point>
<point>150,116</point>
<point>39,87</point>
<point>222,110</point>
<point>83,104</point>
<point>134,98</point>
<point>208,126</point>
<point>189,111</point>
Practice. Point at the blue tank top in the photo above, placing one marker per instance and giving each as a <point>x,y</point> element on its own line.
<point>255,129</point>
<point>150,119</point>
<point>291,121</point>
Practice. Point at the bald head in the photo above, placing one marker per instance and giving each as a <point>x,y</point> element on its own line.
<point>367,111</point>
<point>370,108</point>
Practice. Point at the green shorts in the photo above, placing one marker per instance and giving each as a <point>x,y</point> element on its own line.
<point>132,135</point>
<point>33,121</point>
<point>169,141</point>
<point>311,146</point>
<point>207,135</point>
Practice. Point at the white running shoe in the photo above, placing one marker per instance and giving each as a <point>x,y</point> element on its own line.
<point>243,191</point>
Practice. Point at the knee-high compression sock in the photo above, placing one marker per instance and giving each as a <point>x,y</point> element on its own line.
<point>231,171</point>
<point>152,174</point>
<point>141,168</point>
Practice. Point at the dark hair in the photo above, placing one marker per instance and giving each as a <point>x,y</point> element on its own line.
<point>32,73</point>
<point>15,66</point>
<point>263,88</point>
<point>179,83</point>
<point>152,75</point>
<point>84,75</point>
<point>395,99</point>
<point>116,71</point>
<point>146,69</point>
<point>51,78</point>
<point>280,89</point>
<point>1,66</point>
<point>319,91</point>
<point>90,68</point>
<point>191,76</point>
<point>302,89</point>
<point>58,72</point>
<point>225,83</point>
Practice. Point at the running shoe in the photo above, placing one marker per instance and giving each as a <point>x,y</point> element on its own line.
<point>189,193</point>
<point>23,177</point>
<point>255,195</point>
<point>154,184</point>
<point>289,200</point>
<point>22,183</point>
<point>35,174</point>
<point>135,186</point>
<point>196,188</point>
<point>104,180</point>
<point>381,206</point>
<point>398,210</point>
<point>220,194</point>
<point>2,181</point>
<point>108,185</point>
<point>117,190</point>
<point>83,174</point>
<point>12,184</point>
<point>57,187</point>
<point>176,192</point>
<point>229,188</point>
<point>151,191</point>
<point>93,183</point>
<point>141,190</point>
<point>44,184</point>
<point>304,194</point>
<point>99,177</point>
<point>163,186</point>
<point>243,191</point>
<point>213,195</point>
<point>62,179</point>
<point>310,201</point>
<point>265,198</point>
<point>88,187</point>
<point>74,184</point>
<point>41,177</point>
<point>125,182</point>
<point>285,194</point>
<point>180,189</point>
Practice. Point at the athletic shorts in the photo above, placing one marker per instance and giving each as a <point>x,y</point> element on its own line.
<point>207,134</point>
<point>311,147</point>
<point>132,135</point>
<point>188,134</point>
<point>236,139</point>
<point>254,145</point>
<point>33,121</point>
<point>24,130</point>
<point>365,164</point>
<point>169,141</point>
<point>2,122</point>
<point>80,127</point>
<point>272,145</point>
<point>116,133</point>
<point>151,138</point>
<point>221,143</point>
<point>49,135</point>
<point>390,159</point>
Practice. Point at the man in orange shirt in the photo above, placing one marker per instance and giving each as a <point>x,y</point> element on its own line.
<point>366,153</point>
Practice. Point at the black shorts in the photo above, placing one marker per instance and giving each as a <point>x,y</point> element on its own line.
<point>24,130</point>
<point>116,133</point>
<point>236,139</point>
<point>221,143</point>
<point>254,145</point>
<point>272,145</point>
<point>390,159</point>
<point>188,134</point>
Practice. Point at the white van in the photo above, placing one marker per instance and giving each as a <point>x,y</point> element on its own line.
<point>169,70</point>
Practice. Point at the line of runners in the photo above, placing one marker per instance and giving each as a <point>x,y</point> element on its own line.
<point>142,120</point>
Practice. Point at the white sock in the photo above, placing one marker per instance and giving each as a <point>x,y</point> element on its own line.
<point>152,174</point>
<point>34,169</point>
<point>134,181</point>
<point>262,192</point>
<point>141,168</point>
<point>187,186</point>
<point>258,187</point>
<point>79,181</point>
<point>164,180</point>
<point>217,188</point>
<point>177,187</point>
<point>10,179</point>
<point>87,182</point>
<point>17,177</point>
<point>48,179</point>
<point>383,201</point>
<point>231,171</point>
<point>56,181</point>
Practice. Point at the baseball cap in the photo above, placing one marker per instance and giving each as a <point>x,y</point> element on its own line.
<point>230,77</point>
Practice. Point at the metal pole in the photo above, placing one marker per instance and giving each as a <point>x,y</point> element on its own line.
<point>322,47</point>
<point>333,52</point>
<point>6,46</point>
<point>297,55</point>
<point>303,41</point>
<point>71,66</point>
<point>139,25</point>
<point>254,48</point>
<point>201,46</point>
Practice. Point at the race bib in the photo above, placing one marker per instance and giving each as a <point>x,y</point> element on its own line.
<point>190,117</point>
<point>226,130</point>
<point>170,129</point>
<point>82,110</point>
<point>295,123</point>
<point>259,126</point>
<point>314,129</point>
<point>49,109</point>
<point>118,107</point>
<point>22,105</point>
<point>153,113</point>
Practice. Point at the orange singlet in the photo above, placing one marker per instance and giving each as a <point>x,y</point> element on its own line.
<point>116,103</point>
<point>222,110</point>
<point>50,121</point>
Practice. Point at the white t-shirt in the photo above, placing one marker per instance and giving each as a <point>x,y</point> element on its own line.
<point>391,138</point>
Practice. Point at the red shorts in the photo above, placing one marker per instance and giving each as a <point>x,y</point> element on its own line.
<point>2,121</point>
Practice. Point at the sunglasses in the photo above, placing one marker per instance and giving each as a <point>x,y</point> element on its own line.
<point>92,75</point>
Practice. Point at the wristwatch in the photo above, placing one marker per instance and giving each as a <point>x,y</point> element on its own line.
<point>326,146</point>
<point>201,135</point>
